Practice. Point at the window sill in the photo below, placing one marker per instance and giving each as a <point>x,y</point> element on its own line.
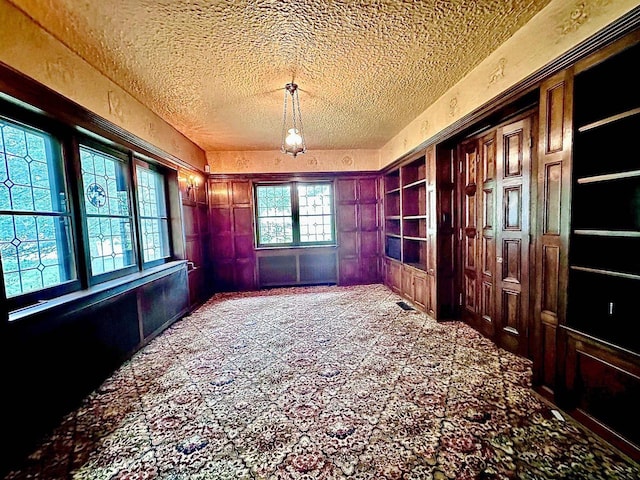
<point>296,247</point>
<point>75,301</point>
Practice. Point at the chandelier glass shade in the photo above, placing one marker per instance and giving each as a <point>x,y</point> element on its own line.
<point>292,141</point>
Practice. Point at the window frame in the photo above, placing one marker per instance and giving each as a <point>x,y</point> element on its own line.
<point>125,157</point>
<point>165,182</point>
<point>59,139</point>
<point>295,214</point>
<point>26,102</point>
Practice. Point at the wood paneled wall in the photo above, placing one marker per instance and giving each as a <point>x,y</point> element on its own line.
<point>54,357</point>
<point>232,234</point>
<point>197,238</point>
<point>232,246</point>
<point>552,238</point>
<point>358,226</point>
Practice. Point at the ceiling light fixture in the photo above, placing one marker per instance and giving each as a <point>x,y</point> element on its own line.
<point>292,132</point>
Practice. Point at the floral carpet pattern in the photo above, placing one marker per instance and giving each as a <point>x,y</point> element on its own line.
<point>320,383</point>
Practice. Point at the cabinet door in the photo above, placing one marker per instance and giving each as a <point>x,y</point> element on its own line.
<point>420,290</point>
<point>395,276</point>
<point>407,283</point>
<point>554,185</point>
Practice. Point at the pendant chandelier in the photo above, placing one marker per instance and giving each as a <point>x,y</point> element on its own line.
<point>292,131</point>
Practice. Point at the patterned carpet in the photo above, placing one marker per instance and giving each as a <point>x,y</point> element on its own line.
<point>320,383</point>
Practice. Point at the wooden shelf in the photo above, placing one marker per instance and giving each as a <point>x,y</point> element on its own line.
<point>394,235</point>
<point>608,120</point>
<point>420,239</point>
<point>609,273</point>
<point>392,217</point>
<point>414,217</point>
<point>608,177</point>
<point>417,183</point>
<point>608,233</point>
<point>392,191</point>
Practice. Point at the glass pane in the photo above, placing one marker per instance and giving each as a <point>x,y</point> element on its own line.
<point>274,200</point>
<point>155,234</point>
<point>35,252</point>
<point>316,215</point>
<point>314,199</point>
<point>275,230</point>
<point>110,244</point>
<point>316,228</point>
<point>36,249</point>
<point>104,182</point>
<point>30,172</point>
<point>153,214</point>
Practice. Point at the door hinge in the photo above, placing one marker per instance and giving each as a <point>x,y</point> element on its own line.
<point>460,234</point>
<point>460,299</point>
<point>460,166</point>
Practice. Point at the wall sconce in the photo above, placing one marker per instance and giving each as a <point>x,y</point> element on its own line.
<point>192,184</point>
<point>292,142</point>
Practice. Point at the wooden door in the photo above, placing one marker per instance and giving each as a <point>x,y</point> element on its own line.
<point>487,234</point>
<point>495,187</point>
<point>513,177</point>
<point>468,152</point>
<point>478,231</point>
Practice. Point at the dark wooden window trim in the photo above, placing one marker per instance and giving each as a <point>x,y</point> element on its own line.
<point>135,161</point>
<point>295,213</point>
<point>23,100</point>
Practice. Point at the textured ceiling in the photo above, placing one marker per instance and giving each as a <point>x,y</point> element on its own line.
<point>216,70</point>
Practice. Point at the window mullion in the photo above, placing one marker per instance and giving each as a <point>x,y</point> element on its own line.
<point>76,204</point>
<point>295,213</point>
<point>137,221</point>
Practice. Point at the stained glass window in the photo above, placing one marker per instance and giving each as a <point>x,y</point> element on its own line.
<point>108,216</point>
<point>154,223</point>
<point>316,212</point>
<point>294,214</point>
<point>275,225</point>
<point>35,222</point>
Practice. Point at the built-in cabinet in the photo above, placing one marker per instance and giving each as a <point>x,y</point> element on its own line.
<point>410,230</point>
<point>602,369</point>
<point>536,221</point>
<point>587,356</point>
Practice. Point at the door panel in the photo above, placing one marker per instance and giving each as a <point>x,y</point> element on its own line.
<point>487,213</point>
<point>478,230</point>
<point>469,156</point>
<point>512,283</point>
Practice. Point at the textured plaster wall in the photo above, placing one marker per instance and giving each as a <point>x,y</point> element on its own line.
<point>559,26</point>
<point>31,50</point>
<point>276,162</point>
